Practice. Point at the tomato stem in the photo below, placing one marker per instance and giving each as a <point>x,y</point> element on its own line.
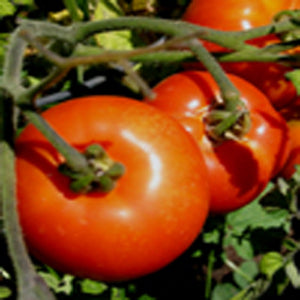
<point>30,285</point>
<point>73,157</point>
<point>222,122</point>
<point>91,170</point>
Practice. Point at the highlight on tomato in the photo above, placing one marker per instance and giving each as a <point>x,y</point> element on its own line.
<point>152,215</point>
<point>238,170</point>
<point>242,15</point>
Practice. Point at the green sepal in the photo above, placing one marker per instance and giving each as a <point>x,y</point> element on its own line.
<point>116,171</point>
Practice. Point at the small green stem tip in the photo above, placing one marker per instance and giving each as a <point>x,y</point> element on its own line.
<point>222,124</point>
<point>101,175</point>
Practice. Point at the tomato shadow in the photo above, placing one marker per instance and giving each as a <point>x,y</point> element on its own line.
<point>241,165</point>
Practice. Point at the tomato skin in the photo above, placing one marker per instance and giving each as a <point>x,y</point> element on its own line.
<point>292,111</point>
<point>237,171</point>
<point>269,78</point>
<point>294,157</point>
<point>154,213</point>
<point>236,15</point>
<point>242,15</point>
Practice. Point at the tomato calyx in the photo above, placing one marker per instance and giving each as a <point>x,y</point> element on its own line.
<point>101,174</point>
<point>292,16</point>
<point>226,124</point>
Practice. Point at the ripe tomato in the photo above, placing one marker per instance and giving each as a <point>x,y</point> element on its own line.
<point>269,78</point>
<point>153,214</point>
<point>292,111</point>
<point>294,157</point>
<point>237,170</point>
<point>242,15</point>
<point>235,15</point>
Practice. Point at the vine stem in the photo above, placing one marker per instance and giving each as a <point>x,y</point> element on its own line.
<point>210,267</point>
<point>74,159</point>
<point>74,10</point>
<point>229,92</point>
<point>30,285</point>
<point>238,270</point>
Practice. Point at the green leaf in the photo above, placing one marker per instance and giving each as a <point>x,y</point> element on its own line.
<point>93,287</point>
<point>4,273</point>
<point>6,8</point>
<point>294,76</point>
<point>118,294</point>
<point>59,285</point>
<point>250,269</point>
<point>293,274</point>
<point>5,292</point>
<point>242,246</point>
<point>254,216</point>
<point>212,237</point>
<point>24,2</point>
<point>197,253</point>
<point>271,263</point>
<point>146,297</point>
<point>224,291</point>
<point>116,40</point>
<point>242,295</point>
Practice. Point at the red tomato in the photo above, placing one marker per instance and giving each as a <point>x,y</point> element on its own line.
<point>237,170</point>
<point>269,78</point>
<point>235,15</point>
<point>292,111</point>
<point>242,15</point>
<point>294,157</point>
<point>154,213</point>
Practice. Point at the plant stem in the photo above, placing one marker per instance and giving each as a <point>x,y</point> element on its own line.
<point>238,270</point>
<point>74,159</point>
<point>210,267</point>
<point>73,9</point>
<point>229,92</point>
<point>29,284</point>
<point>13,64</point>
<point>229,39</point>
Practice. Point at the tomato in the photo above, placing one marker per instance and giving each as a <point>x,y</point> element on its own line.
<point>294,157</point>
<point>292,111</point>
<point>242,15</point>
<point>237,170</point>
<point>153,214</point>
<point>269,78</point>
<point>235,15</point>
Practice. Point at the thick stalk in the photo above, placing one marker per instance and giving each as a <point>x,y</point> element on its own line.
<point>30,285</point>
<point>229,39</point>
<point>74,159</point>
<point>229,92</point>
<point>13,64</point>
